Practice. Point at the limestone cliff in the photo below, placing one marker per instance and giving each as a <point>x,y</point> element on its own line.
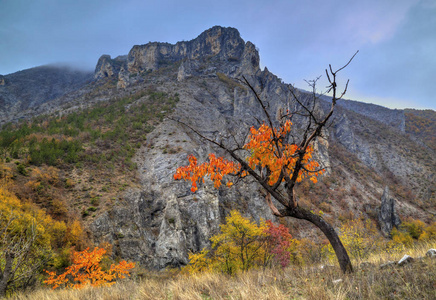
<point>387,215</point>
<point>108,67</point>
<point>217,44</point>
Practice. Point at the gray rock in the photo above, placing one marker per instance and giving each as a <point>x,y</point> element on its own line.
<point>107,67</point>
<point>431,253</point>
<point>219,45</point>
<point>405,260</point>
<point>387,215</point>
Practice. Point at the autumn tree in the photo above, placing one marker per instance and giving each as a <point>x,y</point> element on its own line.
<point>276,158</point>
<point>243,244</point>
<point>279,243</point>
<point>26,238</point>
<point>86,270</point>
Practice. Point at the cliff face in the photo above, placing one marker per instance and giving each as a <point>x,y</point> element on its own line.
<point>162,221</point>
<point>108,67</point>
<point>218,44</point>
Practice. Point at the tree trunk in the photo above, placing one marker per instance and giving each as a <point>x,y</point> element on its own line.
<point>6,274</point>
<point>329,232</point>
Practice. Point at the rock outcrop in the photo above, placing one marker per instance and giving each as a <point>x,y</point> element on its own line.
<point>406,259</point>
<point>387,216</point>
<point>218,44</point>
<point>108,67</point>
<point>431,253</point>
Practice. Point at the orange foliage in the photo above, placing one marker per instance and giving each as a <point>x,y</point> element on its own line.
<point>275,155</point>
<point>267,149</point>
<point>216,168</point>
<point>86,270</point>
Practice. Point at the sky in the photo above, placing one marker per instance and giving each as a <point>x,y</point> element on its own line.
<point>297,40</point>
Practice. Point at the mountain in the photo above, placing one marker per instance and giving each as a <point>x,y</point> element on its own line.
<point>30,88</point>
<point>118,177</point>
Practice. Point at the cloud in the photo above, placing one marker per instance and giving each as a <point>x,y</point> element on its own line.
<point>375,21</point>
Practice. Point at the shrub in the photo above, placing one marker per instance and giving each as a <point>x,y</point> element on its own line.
<point>28,236</point>
<point>86,270</point>
<point>242,245</point>
<point>359,237</point>
<point>22,169</point>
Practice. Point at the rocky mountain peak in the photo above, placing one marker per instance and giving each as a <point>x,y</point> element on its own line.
<point>108,67</point>
<point>222,45</point>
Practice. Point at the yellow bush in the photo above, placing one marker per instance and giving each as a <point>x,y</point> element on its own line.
<point>74,232</point>
<point>27,236</point>
<point>414,230</point>
<point>243,245</point>
<point>359,237</point>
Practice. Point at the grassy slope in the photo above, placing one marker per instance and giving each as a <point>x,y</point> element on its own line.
<point>413,281</point>
<point>88,152</point>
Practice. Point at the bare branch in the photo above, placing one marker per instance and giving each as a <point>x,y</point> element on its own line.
<point>346,63</point>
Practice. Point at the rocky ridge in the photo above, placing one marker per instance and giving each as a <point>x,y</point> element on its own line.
<point>391,117</point>
<point>219,43</point>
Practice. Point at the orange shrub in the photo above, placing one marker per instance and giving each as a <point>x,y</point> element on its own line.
<point>86,270</point>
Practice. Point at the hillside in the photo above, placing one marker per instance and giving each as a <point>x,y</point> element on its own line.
<point>115,150</point>
<point>30,88</point>
<point>422,124</point>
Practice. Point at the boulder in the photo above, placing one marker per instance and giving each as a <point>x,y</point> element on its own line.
<point>431,253</point>
<point>405,260</point>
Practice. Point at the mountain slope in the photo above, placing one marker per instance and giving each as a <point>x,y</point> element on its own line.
<point>30,88</point>
<point>149,217</point>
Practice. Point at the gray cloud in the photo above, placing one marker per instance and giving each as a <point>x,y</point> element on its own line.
<point>297,39</point>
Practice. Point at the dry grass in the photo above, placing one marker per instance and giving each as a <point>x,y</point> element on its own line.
<point>414,281</point>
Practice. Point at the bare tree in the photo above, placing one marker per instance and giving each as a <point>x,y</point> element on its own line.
<point>282,190</point>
